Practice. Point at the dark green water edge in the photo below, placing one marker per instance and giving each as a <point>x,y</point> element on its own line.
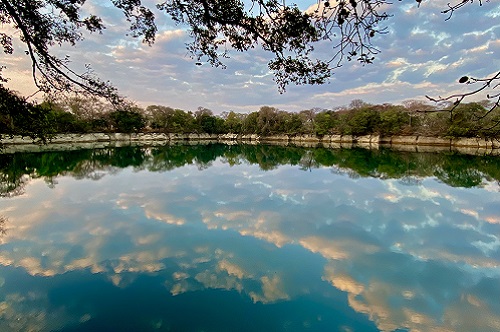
<point>451,168</point>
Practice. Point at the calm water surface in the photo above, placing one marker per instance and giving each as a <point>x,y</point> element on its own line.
<point>249,238</point>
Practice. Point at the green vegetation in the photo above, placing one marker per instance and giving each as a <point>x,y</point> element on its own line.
<point>456,170</point>
<point>19,117</point>
<point>78,115</point>
<point>288,33</point>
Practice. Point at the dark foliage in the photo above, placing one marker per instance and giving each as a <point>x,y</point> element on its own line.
<point>453,169</point>
<point>285,31</point>
<point>19,117</point>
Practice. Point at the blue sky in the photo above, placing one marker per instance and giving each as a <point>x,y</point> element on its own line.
<point>422,54</point>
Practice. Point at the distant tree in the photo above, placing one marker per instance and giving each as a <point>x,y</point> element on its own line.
<point>85,108</point>
<point>288,123</point>
<point>418,106</point>
<point>182,122</point>
<point>325,122</point>
<point>363,121</point>
<point>233,122</point>
<point>211,124</point>
<point>308,120</point>
<point>66,122</point>
<point>358,104</point>
<point>73,113</point>
<point>206,121</point>
<point>433,124</point>
<point>266,121</point>
<point>250,125</point>
<point>394,120</point>
<point>468,120</point>
<point>127,121</point>
<point>160,117</point>
<point>294,124</point>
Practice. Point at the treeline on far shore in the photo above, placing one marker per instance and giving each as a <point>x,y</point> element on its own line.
<point>77,114</point>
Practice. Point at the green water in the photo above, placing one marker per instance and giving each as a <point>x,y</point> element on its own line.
<point>249,238</point>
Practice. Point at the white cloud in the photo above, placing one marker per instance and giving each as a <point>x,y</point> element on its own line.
<point>421,53</point>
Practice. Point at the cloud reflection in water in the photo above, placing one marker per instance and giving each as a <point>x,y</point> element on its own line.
<point>422,257</point>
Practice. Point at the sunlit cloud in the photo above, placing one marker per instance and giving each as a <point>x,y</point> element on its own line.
<point>343,282</point>
<point>492,219</point>
<point>337,249</point>
<point>232,269</point>
<point>272,290</point>
<point>219,281</point>
<point>19,312</point>
<point>347,228</point>
<point>168,218</point>
<point>421,54</point>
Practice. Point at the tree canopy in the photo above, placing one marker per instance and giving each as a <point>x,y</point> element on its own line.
<point>19,117</point>
<point>288,32</point>
<point>84,115</point>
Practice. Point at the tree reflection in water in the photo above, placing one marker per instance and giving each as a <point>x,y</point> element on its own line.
<point>456,170</point>
<point>170,232</point>
<point>3,221</point>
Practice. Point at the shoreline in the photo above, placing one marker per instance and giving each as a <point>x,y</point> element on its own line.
<point>475,146</point>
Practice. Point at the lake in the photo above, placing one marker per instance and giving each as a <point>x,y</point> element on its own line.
<point>249,238</point>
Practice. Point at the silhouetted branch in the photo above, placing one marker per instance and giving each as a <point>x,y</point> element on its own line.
<point>488,83</point>
<point>452,8</point>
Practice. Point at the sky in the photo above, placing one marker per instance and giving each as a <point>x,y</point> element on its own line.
<point>422,54</point>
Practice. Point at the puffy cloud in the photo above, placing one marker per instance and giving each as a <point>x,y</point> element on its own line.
<point>422,53</point>
<point>272,290</point>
